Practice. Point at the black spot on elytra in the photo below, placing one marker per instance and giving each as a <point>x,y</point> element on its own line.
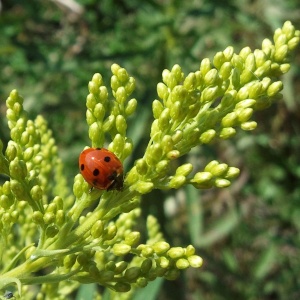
<point>107,159</point>
<point>96,172</point>
<point>82,167</point>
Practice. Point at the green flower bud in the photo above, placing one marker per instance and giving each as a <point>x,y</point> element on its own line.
<point>141,282</point>
<point>225,70</point>
<point>173,154</point>
<point>244,114</point>
<point>114,83</point>
<point>122,74</point>
<point>38,159</point>
<point>219,60</point>
<point>110,266</point>
<point>49,217</point>
<point>6,218</point>
<point>162,167</point>
<point>108,124</point>
<point>17,189</point>
<point>52,230</point>
<point>274,88</point>
<point>28,154</point>
<point>51,208</point>
<point>232,173</point>
<point>97,229</point>
<point>131,107</point>
<point>103,94</point>
<point>14,216</point>
<point>162,91</point>
<point>82,259</point>
<point>99,111</point>
<point>293,43</point>
<point>264,69</point>
<point>228,53</point>
<point>121,95</point>
<point>36,193</point>
<point>161,247</point>
<point>132,238</point>
<point>6,202</point>
<point>121,249</point>
<point>195,261</point>
<point>93,271</point>
<point>167,143</point>
<point>177,136</point>
<point>229,120</point>
<point>6,189</point>
<point>163,262</point>
<point>164,119</point>
<point>209,94</point>
<point>172,274</point>
<point>219,170</point>
<point>122,287</point>
<point>146,250</point>
<point>176,252</point>
<point>281,53</point>
<point>155,129</point>
<point>246,76</point>
<point>177,181</point>
<point>146,266</point>
<point>91,101</point>
<point>177,72</point>
<point>24,138</point>
<point>79,186</point>
<point>260,57</point>
<point>130,86</point>
<point>117,145</point>
<point>249,125</point>
<point>190,250</point>
<point>141,166</point>
<point>190,82</point>
<point>110,232</point>
<point>93,87</point>
<point>211,165</point>
<point>222,183</point>
<point>176,110</point>
<point>185,169</point>
<point>202,177</point>
<point>37,218</point>
<point>182,263</point>
<point>60,217</point>
<point>90,118</point>
<point>211,77</point>
<point>120,267</point>
<point>18,169</point>
<point>121,124</point>
<point>284,68</point>
<point>106,276</point>
<point>227,133</point>
<point>205,66</point>
<point>132,274</point>
<point>127,150</point>
<point>207,136</point>
<point>143,187</point>
<point>245,104</point>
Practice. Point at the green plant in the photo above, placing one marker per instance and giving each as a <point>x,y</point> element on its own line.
<point>58,239</point>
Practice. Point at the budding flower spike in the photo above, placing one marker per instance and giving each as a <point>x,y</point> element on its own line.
<point>57,240</point>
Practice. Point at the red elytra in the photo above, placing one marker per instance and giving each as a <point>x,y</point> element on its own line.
<point>101,168</point>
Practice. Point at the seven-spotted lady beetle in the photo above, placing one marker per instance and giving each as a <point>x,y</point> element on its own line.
<point>101,168</point>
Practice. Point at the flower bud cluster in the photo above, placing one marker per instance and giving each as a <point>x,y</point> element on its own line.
<point>106,116</point>
<point>215,174</point>
<point>210,103</point>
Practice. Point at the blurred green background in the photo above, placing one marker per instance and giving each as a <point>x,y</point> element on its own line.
<point>248,234</point>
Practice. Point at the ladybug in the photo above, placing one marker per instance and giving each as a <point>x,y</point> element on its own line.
<point>101,169</point>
